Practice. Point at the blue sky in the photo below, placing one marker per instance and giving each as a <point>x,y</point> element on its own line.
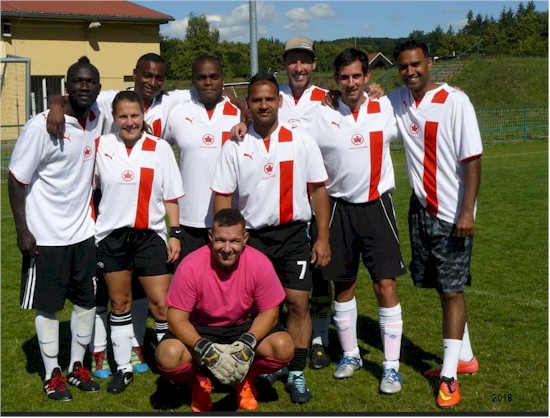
<point>328,20</point>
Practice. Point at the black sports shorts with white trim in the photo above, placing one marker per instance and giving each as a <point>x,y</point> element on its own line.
<point>59,273</point>
<point>368,230</point>
<point>288,248</point>
<point>440,260</point>
<point>141,250</point>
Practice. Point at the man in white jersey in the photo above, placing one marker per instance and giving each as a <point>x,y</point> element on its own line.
<point>443,150</point>
<point>355,144</point>
<point>199,127</point>
<point>274,170</point>
<point>50,189</point>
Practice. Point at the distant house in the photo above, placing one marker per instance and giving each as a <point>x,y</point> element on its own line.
<point>378,60</point>
<point>54,34</point>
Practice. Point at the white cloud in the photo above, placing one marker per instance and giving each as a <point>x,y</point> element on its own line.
<point>321,11</point>
<point>367,27</point>
<point>317,11</point>
<point>298,14</point>
<point>297,26</point>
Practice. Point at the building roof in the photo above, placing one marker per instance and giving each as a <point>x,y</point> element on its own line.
<point>82,10</point>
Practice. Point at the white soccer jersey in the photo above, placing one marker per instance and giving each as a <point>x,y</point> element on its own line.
<point>134,187</point>
<point>199,140</point>
<point>58,175</point>
<point>356,153</point>
<point>438,135</point>
<point>271,186</point>
<point>155,116</point>
<point>301,114</point>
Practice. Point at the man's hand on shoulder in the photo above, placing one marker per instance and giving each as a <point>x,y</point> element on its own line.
<point>55,122</point>
<point>239,131</point>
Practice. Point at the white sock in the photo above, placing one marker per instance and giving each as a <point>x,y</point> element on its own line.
<point>122,333</point>
<point>140,312</point>
<point>466,353</point>
<point>161,327</point>
<point>82,327</point>
<point>391,330</point>
<point>451,352</point>
<point>47,331</point>
<point>345,318</point>
<point>99,340</point>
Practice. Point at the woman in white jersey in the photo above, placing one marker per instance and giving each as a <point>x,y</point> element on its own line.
<point>140,185</point>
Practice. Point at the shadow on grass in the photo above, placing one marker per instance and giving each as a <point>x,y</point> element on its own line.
<point>414,356</point>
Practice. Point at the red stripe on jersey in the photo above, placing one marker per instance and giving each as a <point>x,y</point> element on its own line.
<point>318,95</point>
<point>286,187</point>
<point>157,127</point>
<point>225,136</point>
<point>144,197</point>
<point>149,144</point>
<point>440,96</point>
<point>285,135</point>
<point>229,109</point>
<point>430,166</point>
<point>376,147</point>
<point>373,107</point>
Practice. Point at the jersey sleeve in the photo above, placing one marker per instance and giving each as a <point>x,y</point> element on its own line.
<point>316,172</point>
<point>225,176</point>
<point>29,150</point>
<point>268,292</point>
<point>467,137</point>
<point>172,187</point>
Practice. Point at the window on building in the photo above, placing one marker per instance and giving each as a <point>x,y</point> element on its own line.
<point>43,87</point>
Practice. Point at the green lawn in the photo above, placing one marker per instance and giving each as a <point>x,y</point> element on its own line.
<point>507,304</point>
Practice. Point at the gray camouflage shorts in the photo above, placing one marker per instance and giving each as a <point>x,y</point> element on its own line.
<point>439,259</point>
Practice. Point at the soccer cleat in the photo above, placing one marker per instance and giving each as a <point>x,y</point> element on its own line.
<point>449,392</point>
<point>55,388</point>
<point>138,361</point>
<point>246,395</point>
<point>281,374</point>
<point>391,381</point>
<point>120,381</point>
<point>318,357</point>
<point>81,377</point>
<point>201,389</point>
<point>464,367</point>
<point>347,366</point>
<point>100,365</point>
<point>296,385</point>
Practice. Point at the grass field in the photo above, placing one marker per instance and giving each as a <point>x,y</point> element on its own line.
<point>507,304</point>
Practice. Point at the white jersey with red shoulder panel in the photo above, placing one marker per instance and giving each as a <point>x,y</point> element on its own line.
<point>134,187</point>
<point>356,153</point>
<point>199,139</point>
<point>155,116</point>
<point>302,113</point>
<point>271,186</point>
<point>439,134</point>
<point>58,175</point>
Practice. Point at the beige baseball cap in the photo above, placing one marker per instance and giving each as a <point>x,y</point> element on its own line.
<point>300,43</point>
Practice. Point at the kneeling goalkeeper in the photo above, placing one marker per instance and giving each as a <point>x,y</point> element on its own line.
<point>223,317</point>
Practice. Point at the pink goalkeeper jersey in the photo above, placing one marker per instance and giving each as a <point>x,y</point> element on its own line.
<point>271,186</point>
<point>134,187</point>
<point>199,139</point>
<point>439,134</point>
<point>356,153</point>
<point>217,298</point>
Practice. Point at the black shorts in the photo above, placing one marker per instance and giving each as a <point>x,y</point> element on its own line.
<point>59,273</point>
<point>193,239</point>
<point>224,335</point>
<point>368,230</point>
<point>140,250</point>
<point>288,248</point>
<point>440,260</point>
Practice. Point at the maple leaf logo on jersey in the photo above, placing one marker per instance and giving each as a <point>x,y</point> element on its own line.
<point>87,152</point>
<point>128,175</point>
<point>268,169</point>
<point>208,139</point>
<point>357,139</point>
<point>413,128</point>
